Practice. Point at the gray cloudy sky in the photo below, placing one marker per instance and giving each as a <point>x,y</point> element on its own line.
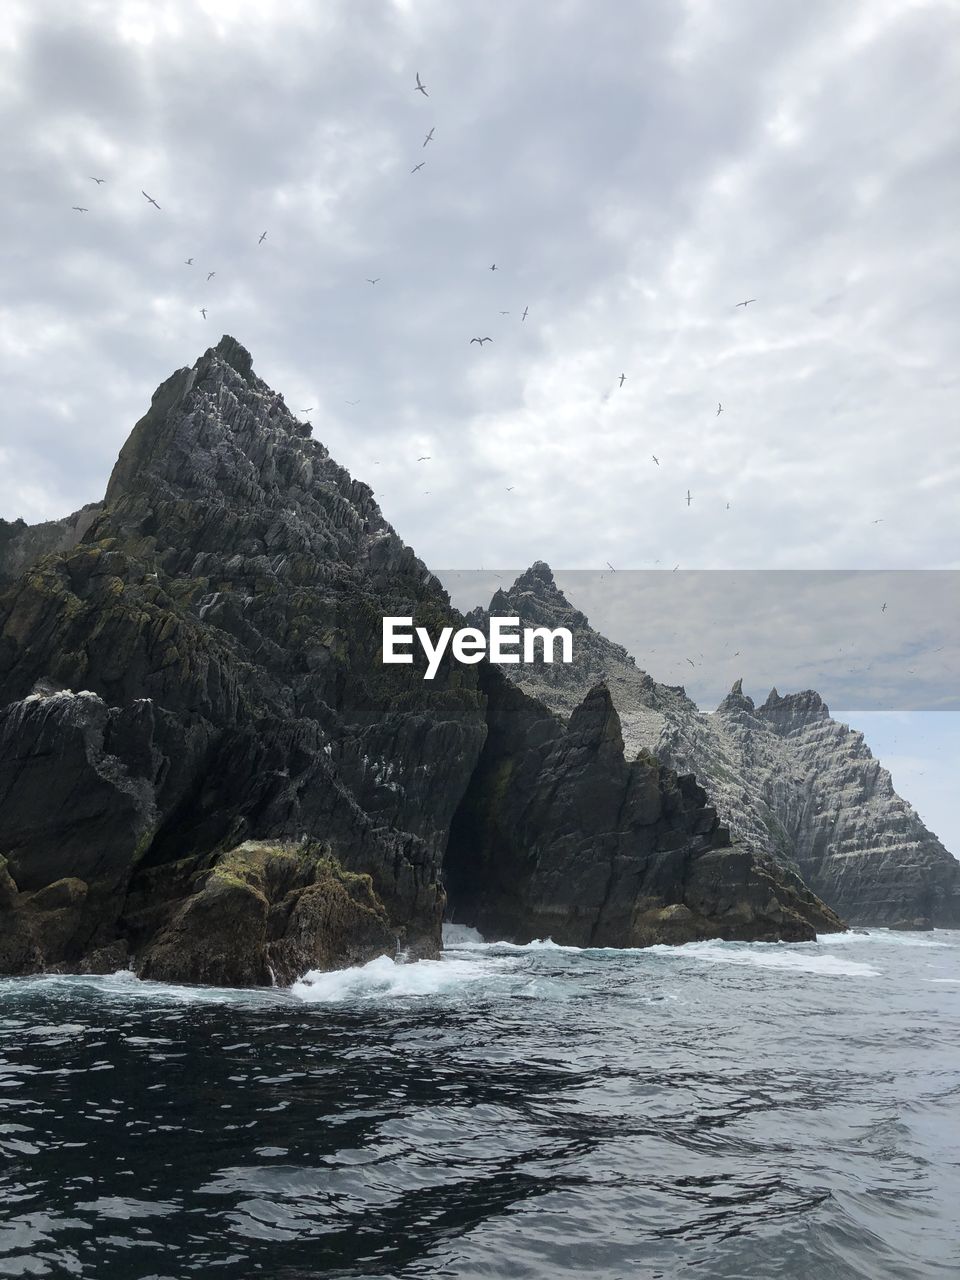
<point>633,170</point>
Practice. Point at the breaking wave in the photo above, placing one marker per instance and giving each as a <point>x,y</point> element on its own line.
<point>383,977</point>
<point>461,935</point>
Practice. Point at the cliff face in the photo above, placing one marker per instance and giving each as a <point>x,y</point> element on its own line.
<point>204,765</point>
<point>787,779</point>
<point>561,836</point>
<point>857,843</point>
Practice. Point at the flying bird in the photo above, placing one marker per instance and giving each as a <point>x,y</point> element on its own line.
<point>884,609</point>
<point>425,457</point>
<point>655,458</point>
<point>746,302</point>
<point>211,274</point>
<point>369,281</point>
<point>504,313</point>
<point>418,166</point>
<point>693,664</point>
<point>494,267</point>
<point>80,208</point>
<point>525,310</point>
<point>880,521</point>
<point>188,262</point>
<point>306,410</point>
<point>263,236</point>
<point>428,137</point>
<point>98,181</point>
<point>510,488</point>
<point>351,402</point>
<point>481,340</point>
<point>610,566</point>
<point>623,378</point>
<point>719,408</point>
<point>419,87</point>
<point>150,198</point>
<point>688,497</point>
<point>203,312</point>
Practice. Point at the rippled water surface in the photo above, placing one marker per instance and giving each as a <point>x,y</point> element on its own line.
<point>719,1110</point>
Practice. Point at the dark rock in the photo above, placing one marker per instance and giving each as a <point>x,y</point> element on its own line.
<point>105,960</point>
<point>560,836</point>
<point>194,669</point>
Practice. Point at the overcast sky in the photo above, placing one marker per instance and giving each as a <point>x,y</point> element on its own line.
<point>634,171</point>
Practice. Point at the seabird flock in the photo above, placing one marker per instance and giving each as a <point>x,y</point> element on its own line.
<point>421,88</point>
<point>187,262</point>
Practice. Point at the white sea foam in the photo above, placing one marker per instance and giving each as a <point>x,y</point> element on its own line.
<point>524,948</point>
<point>461,935</point>
<point>774,955</point>
<point>890,936</point>
<point>383,978</point>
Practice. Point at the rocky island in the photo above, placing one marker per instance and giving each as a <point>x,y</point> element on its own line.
<point>789,780</point>
<point>207,772</point>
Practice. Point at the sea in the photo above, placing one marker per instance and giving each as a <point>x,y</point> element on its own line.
<point>712,1110</point>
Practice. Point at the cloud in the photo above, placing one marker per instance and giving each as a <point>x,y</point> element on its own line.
<point>631,184</point>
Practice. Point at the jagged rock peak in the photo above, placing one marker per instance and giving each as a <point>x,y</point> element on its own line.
<point>222,398</point>
<point>793,709</point>
<point>736,700</point>
<point>596,721</point>
<point>537,581</point>
<point>236,355</point>
<point>539,573</point>
<point>536,596</point>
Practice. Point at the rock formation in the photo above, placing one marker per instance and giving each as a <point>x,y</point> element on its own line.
<point>787,779</point>
<point>207,771</point>
<point>561,836</point>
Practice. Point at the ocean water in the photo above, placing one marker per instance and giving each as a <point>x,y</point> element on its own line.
<point>714,1110</point>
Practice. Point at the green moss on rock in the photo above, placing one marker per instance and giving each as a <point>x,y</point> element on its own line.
<point>266,913</point>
